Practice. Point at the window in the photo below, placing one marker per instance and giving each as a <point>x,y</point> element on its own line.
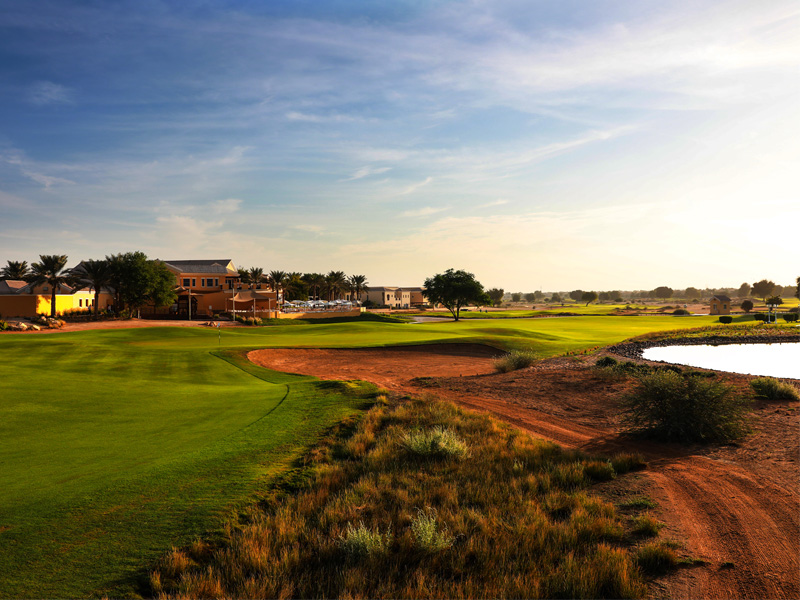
<point>203,282</point>
<point>194,282</point>
<point>80,303</point>
<point>186,282</point>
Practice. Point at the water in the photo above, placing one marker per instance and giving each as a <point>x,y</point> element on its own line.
<point>772,360</point>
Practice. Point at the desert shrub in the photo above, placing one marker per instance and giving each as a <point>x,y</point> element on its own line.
<point>438,442</point>
<point>606,361</point>
<point>3,325</point>
<point>517,359</point>
<point>790,317</point>
<point>599,470</point>
<point>359,542</point>
<point>625,462</point>
<point>674,407</point>
<point>767,388</point>
<point>646,526</point>
<point>759,317</point>
<point>726,319</point>
<point>680,312</point>
<point>428,537</point>
<point>656,558</point>
<point>639,502</point>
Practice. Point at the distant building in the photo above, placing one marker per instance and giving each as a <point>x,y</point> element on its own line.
<point>720,305</point>
<point>21,299</point>
<point>395,297</point>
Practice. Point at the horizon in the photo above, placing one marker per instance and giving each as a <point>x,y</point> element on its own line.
<point>539,146</point>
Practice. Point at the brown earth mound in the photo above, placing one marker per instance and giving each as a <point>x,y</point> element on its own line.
<point>734,507</point>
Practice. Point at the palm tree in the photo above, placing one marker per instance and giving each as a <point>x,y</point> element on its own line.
<point>335,283</point>
<point>244,276</point>
<point>314,281</point>
<point>255,274</point>
<point>15,270</point>
<point>276,279</point>
<point>358,284</point>
<point>50,270</point>
<point>294,286</point>
<point>95,274</point>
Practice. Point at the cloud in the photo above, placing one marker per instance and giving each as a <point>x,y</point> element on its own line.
<point>498,202</point>
<point>227,206</point>
<point>414,187</point>
<point>423,212</point>
<point>366,172</point>
<point>309,228</point>
<point>46,92</point>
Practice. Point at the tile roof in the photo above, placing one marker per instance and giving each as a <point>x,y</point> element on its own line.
<point>12,286</point>
<point>202,266</point>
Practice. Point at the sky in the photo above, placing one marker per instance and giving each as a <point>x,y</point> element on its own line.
<point>539,145</point>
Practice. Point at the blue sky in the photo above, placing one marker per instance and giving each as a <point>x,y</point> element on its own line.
<point>555,145</point>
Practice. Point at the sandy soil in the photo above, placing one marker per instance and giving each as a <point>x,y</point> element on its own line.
<point>735,507</point>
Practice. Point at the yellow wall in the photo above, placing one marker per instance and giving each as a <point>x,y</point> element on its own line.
<point>30,305</point>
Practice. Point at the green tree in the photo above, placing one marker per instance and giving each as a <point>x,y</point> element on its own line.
<point>51,270</point>
<point>315,282</point>
<point>589,297</point>
<point>335,284</point>
<point>516,296</point>
<point>693,292</point>
<point>453,290</point>
<point>763,288</point>
<point>93,274</point>
<point>276,280</point>
<point>663,292</point>
<point>747,306</point>
<point>743,291</point>
<point>255,275</point>
<point>295,287</point>
<point>244,276</point>
<point>139,281</point>
<point>496,296</point>
<point>556,298</point>
<point>15,270</point>
<point>358,284</point>
<point>530,297</point>
<point>576,295</point>
<point>797,291</point>
<point>777,300</point>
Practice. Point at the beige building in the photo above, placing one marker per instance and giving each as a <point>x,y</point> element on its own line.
<point>395,297</point>
<point>720,305</point>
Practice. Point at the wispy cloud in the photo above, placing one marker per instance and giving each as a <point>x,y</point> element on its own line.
<point>47,92</point>
<point>415,186</point>
<point>498,202</point>
<point>366,172</point>
<point>423,212</point>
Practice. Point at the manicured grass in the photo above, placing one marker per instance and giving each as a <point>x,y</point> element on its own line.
<point>118,444</point>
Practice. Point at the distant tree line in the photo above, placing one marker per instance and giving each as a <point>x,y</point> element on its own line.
<point>301,286</point>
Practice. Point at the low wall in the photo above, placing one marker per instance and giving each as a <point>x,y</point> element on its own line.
<point>320,315</point>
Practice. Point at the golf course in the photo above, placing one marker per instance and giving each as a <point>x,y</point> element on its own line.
<point>120,444</point>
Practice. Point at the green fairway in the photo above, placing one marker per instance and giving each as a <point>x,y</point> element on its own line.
<point>118,444</point>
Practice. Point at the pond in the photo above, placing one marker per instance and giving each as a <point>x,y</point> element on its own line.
<point>772,360</point>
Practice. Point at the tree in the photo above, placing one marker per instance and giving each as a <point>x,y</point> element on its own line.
<point>775,300</point>
<point>589,297</point>
<point>15,270</point>
<point>530,297</point>
<point>693,292</point>
<point>51,270</point>
<point>576,295</point>
<point>256,276</point>
<point>663,292</point>
<point>276,280</point>
<point>516,296</point>
<point>496,296</point>
<point>763,288</point>
<point>453,289</point>
<point>315,281</point>
<point>797,291</point>
<point>335,284</point>
<point>93,274</point>
<point>743,291</point>
<point>604,296</point>
<point>139,281</point>
<point>244,276</point>
<point>358,284</point>
<point>295,287</point>
<point>747,306</point>
<point>556,298</point>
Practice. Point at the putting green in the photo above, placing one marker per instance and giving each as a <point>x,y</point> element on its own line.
<point>118,444</point>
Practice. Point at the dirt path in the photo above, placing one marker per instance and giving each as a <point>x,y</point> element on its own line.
<point>734,507</point>
<point>121,324</point>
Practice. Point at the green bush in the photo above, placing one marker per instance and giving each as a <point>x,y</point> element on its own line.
<point>680,312</point>
<point>606,361</point>
<point>726,319</point>
<point>767,388</point>
<point>624,462</point>
<point>517,359</point>
<point>599,470</point>
<point>674,407</point>
<point>790,317</point>
<point>427,536</point>
<point>3,325</point>
<point>759,317</point>
<point>359,542</point>
<point>438,442</point>
<point>656,558</point>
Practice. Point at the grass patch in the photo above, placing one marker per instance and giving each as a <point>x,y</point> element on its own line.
<point>646,526</point>
<point>438,442</point>
<point>516,520</point>
<point>768,388</point>
<point>625,462</point>
<point>639,502</point>
<point>513,361</point>
<point>657,558</point>
<point>673,407</point>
